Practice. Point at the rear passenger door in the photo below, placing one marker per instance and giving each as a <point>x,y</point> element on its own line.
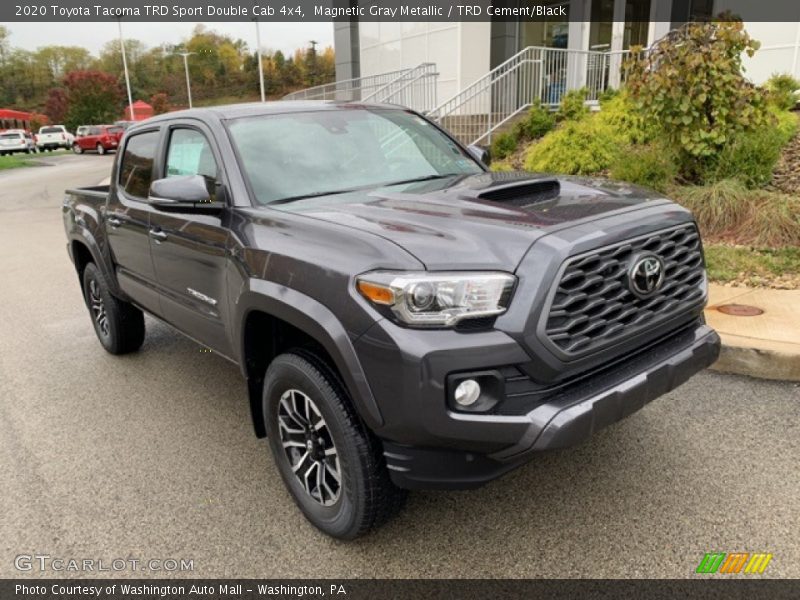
<point>190,250</point>
<point>127,219</point>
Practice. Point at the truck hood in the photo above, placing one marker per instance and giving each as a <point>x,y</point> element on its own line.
<point>485,221</point>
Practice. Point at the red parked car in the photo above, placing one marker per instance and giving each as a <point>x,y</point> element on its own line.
<point>101,138</point>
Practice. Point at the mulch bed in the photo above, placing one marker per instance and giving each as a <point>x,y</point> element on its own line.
<point>786,177</point>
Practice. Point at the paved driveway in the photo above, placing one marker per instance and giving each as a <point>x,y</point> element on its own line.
<point>152,456</point>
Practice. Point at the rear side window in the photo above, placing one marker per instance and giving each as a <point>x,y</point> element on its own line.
<point>136,169</point>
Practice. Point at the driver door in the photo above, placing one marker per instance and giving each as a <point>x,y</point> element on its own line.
<point>190,250</point>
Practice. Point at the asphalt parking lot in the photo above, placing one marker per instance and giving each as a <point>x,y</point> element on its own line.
<point>152,456</point>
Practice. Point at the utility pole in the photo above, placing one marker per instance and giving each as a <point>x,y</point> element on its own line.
<point>125,68</point>
<point>186,56</point>
<point>260,66</point>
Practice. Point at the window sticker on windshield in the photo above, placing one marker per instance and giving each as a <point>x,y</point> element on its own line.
<point>464,163</point>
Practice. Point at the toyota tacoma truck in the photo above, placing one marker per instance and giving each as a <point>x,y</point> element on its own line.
<point>403,317</point>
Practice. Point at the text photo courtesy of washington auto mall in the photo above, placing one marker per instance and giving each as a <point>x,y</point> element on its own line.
<point>399,299</point>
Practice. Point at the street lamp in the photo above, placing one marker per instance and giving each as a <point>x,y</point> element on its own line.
<point>125,68</point>
<point>260,68</point>
<point>186,56</point>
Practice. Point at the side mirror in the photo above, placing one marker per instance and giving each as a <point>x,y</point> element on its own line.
<point>481,153</point>
<point>183,193</point>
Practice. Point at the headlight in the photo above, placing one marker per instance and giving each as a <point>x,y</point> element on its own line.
<point>430,299</point>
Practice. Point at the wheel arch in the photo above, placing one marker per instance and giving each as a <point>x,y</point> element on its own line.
<point>272,319</point>
<point>84,249</point>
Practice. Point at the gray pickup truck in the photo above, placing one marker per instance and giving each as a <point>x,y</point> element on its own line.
<point>404,318</point>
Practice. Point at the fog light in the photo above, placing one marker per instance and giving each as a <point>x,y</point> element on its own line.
<point>467,392</point>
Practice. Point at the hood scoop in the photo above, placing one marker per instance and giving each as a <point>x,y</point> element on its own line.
<point>523,194</point>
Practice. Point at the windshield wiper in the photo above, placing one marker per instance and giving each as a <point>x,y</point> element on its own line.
<point>312,195</point>
<point>356,189</point>
<point>418,179</point>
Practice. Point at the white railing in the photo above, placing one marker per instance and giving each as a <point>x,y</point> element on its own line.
<point>414,87</point>
<point>533,74</point>
<point>347,89</point>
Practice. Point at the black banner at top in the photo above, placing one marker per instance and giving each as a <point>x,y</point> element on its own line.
<point>369,10</point>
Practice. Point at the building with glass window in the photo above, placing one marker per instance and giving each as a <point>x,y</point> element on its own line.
<point>465,51</point>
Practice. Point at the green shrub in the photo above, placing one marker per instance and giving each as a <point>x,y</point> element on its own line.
<point>582,147</point>
<point>608,94</point>
<point>781,90</point>
<point>786,123</point>
<point>621,114</point>
<point>751,156</point>
<point>538,122</point>
<point>649,165</point>
<point>692,84</point>
<point>573,105</point>
<point>504,145</point>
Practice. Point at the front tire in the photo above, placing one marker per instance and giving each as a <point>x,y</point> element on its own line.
<point>119,325</point>
<point>100,149</point>
<point>330,462</point>
<point>77,149</point>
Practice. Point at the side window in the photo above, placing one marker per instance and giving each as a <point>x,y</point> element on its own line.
<point>190,154</point>
<point>136,169</point>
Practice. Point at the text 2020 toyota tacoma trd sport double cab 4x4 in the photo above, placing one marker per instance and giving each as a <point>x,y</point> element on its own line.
<point>404,317</point>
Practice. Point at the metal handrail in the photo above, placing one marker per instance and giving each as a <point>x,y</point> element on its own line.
<point>533,74</point>
<point>321,92</point>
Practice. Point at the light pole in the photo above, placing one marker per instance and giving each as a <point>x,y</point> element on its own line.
<point>125,68</point>
<point>260,67</point>
<point>186,56</point>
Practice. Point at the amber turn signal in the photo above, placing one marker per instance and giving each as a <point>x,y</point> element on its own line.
<point>378,294</point>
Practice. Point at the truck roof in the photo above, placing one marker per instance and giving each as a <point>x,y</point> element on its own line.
<point>251,109</point>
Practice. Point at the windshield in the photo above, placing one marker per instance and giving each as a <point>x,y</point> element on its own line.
<point>296,155</point>
<point>50,130</point>
<point>115,130</point>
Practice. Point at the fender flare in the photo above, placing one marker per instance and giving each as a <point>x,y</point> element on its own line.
<point>84,237</point>
<point>317,321</point>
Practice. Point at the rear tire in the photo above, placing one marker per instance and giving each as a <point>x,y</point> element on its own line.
<point>100,149</point>
<point>119,325</point>
<point>312,428</point>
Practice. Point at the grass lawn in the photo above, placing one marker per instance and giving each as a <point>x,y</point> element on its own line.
<point>13,161</point>
<point>757,267</point>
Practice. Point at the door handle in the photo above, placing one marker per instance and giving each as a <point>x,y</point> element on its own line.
<point>158,235</point>
<point>114,222</point>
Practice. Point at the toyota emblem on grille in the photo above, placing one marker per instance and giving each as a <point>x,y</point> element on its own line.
<point>646,274</point>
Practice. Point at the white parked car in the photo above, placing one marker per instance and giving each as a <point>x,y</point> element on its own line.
<point>52,137</point>
<point>16,140</point>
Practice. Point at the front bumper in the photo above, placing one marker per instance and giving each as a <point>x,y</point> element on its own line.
<point>450,450</point>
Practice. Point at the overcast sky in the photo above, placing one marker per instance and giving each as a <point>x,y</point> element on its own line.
<point>274,36</point>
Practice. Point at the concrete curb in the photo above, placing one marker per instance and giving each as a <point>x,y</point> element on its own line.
<point>766,346</point>
<point>757,362</point>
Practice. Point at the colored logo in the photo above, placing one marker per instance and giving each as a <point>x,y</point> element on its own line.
<point>735,562</point>
<point>646,275</point>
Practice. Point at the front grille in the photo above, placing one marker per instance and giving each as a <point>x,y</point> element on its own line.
<point>593,306</point>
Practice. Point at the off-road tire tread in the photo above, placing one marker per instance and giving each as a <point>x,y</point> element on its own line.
<point>126,320</point>
<point>383,499</point>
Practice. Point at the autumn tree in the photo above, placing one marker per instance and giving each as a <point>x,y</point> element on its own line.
<point>57,105</point>
<point>160,103</point>
<point>94,97</point>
